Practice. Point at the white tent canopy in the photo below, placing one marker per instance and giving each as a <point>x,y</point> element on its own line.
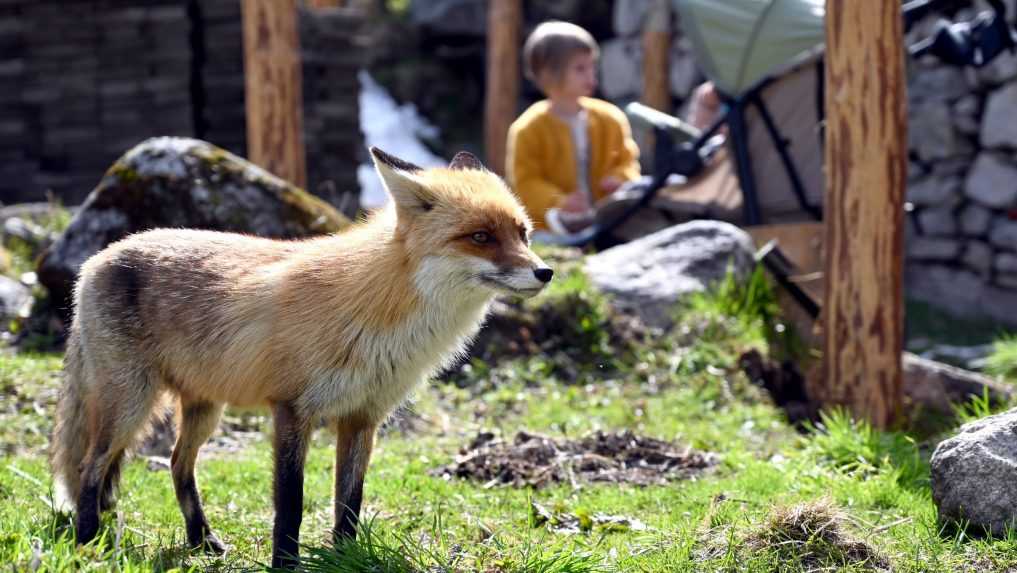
<point>740,42</point>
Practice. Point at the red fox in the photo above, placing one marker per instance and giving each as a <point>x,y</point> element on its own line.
<point>338,328</point>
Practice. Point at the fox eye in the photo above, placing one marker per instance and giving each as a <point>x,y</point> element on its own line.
<point>481,237</point>
<point>522,235</point>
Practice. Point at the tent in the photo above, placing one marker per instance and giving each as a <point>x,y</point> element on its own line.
<point>739,43</point>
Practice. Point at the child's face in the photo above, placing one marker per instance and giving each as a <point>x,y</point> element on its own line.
<point>579,78</point>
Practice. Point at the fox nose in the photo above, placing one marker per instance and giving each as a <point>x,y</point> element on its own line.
<point>543,275</point>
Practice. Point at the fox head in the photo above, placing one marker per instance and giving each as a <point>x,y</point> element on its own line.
<point>463,226</point>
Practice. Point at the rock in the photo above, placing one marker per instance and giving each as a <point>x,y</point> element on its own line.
<point>628,16</point>
<point>938,221</point>
<point>952,166</point>
<point>1000,70</point>
<point>954,290</point>
<point>621,68</point>
<point>451,17</point>
<point>649,275</point>
<point>968,105</point>
<point>936,83</point>
<point>940,387</point>
<point>916,171</point>
<point>1007,281</point>
<point>973,474</point>
<point>684,73</point>
<point>15,300</point>
<point>931,191</point>
<point>960,292</point>
<point>974,220</point>
<point>978,257</point>
<point>1006,263</point>
<point>992,181</point>
<point>922,248</point>
<point>999,302</point>
<point>1003,233</point>
<point>27,233</point>
<point>999,122</point>
<point>180,182</point>
<point>931,134</point>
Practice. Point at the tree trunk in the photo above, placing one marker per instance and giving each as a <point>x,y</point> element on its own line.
<point>325,3</point>
<point>656,48</point>
<point>275,138</point>
<point>866,154</point>
<point>504,20</point>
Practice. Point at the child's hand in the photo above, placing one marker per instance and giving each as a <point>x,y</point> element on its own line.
<point>575,202</point>
<point>610,184</point>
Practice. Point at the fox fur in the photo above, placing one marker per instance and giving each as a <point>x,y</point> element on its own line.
<point>338,328</point>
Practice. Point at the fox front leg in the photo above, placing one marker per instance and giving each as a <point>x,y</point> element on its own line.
<point>292,432</point>
<point>354,443</point>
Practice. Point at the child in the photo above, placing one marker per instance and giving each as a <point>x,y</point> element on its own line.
<point>569,151</point>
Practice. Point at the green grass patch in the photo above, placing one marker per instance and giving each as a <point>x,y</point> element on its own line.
<point>842,496</point>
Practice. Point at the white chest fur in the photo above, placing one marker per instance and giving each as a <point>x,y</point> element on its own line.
<point>391,362</point>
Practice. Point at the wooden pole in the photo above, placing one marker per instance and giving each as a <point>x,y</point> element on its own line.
<point>324,3</point>
<point>866,165</point>
<point>656,48</point>
<point>504,20</point>
<point>275,138</point>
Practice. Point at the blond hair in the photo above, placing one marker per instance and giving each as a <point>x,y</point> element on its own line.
<point>549,48</point>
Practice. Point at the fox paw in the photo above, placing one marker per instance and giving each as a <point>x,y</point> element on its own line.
<point>210,544</point>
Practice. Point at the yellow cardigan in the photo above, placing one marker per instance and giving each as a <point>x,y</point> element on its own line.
<point>541,165</point>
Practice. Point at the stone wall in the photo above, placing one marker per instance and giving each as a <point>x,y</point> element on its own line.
<point>962,241</point>
<point>86,80</point>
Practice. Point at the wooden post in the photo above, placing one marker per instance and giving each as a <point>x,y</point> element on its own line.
<point>504,20</point>
<point>866,165</point>
<point>656,48</point>
<point>275,137</point>
<point>324,3</point>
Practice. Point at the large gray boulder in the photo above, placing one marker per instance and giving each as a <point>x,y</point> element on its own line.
<point>180,182</point>
<point>649,275</point>
<point>974,474</point>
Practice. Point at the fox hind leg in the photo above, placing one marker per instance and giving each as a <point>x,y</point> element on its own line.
<point>127,399</point>
<point>196,422</point>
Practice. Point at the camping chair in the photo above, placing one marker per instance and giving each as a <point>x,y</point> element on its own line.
<point>765,59</point>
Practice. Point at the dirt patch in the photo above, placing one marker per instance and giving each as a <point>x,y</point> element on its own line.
<point>536,461</point>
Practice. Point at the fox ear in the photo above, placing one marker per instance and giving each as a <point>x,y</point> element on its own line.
<point>400,178</point>
<point>466,160</point>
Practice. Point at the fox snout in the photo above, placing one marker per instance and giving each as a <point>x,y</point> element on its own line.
<point>527,277</point>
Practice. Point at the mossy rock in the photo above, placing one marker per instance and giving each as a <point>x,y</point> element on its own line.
<point>181,183</point>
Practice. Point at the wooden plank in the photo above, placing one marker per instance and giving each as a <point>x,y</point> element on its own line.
<point>866,154</point>
<point>273,92</point>
<point>504,20</point>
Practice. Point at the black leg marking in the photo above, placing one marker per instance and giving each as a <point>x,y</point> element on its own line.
<point>290,443</point>
<point>353,453</point>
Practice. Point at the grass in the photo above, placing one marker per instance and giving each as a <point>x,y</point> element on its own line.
<point>840,497</point>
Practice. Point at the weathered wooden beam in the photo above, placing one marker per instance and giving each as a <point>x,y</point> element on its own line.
<point>504,20</point>
<point>866,165</point>
<point>275,138</point>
